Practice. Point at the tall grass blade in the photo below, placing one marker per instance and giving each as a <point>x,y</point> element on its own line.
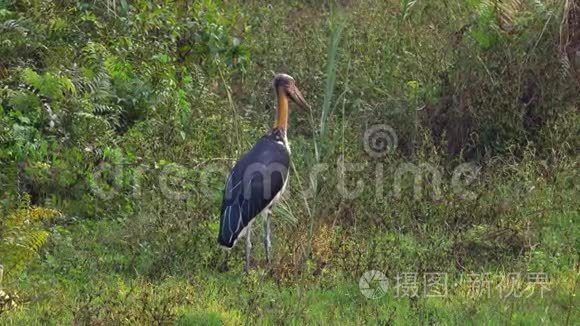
<point>337,26</point>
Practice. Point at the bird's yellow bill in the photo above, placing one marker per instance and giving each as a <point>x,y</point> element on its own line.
<point>297,97</point>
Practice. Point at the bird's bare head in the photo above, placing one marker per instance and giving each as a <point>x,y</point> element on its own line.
<point>285,83</point>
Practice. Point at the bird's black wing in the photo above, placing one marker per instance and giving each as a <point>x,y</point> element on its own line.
<point>252,185</point>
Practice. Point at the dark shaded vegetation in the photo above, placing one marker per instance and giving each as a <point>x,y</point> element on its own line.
<point>119,119</point>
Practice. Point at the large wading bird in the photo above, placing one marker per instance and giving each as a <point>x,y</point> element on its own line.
<point>260,177</point>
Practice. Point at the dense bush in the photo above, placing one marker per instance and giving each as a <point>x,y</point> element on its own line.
<point>125,115</point>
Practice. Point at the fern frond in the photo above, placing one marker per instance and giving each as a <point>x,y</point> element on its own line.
<point>95,118</point>
<point>13,25</point>
<point>566,66</point>
<point>569,41</point>
<point>92,56</point>
<point>106,109</point>
<point>30,77</point>
<point>35,240</point>
<point>508,11</point>
<point>22,234</point>
<point>5,133</point>
<point>68,85</point>
<point>505,11</point>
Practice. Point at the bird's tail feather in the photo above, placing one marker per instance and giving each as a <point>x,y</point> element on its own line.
<point>230,226</point>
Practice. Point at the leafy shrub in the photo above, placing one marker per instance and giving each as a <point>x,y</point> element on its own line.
<point>22,234</point>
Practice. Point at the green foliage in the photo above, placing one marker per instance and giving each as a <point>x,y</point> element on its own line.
<point>141,107</point>
<point>22,234</point>
<point>406,6</point>
<point>336,31</point>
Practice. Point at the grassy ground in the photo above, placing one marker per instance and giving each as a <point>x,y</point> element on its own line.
<point>100,296</point>
<point>88,275</point>
<point>468,89</point>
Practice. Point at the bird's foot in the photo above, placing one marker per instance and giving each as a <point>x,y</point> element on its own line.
<point>248,265</point>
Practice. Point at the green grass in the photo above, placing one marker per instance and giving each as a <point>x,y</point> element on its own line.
<point>88,276</point>
<point>235,298</point>
<point>453,83</point>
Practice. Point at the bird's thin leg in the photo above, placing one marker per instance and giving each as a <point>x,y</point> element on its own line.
<point>267,237</point>
<point>224,267</point>
<point>248,250</point>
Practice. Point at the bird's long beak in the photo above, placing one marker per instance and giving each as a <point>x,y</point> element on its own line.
<point>297,97</point>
